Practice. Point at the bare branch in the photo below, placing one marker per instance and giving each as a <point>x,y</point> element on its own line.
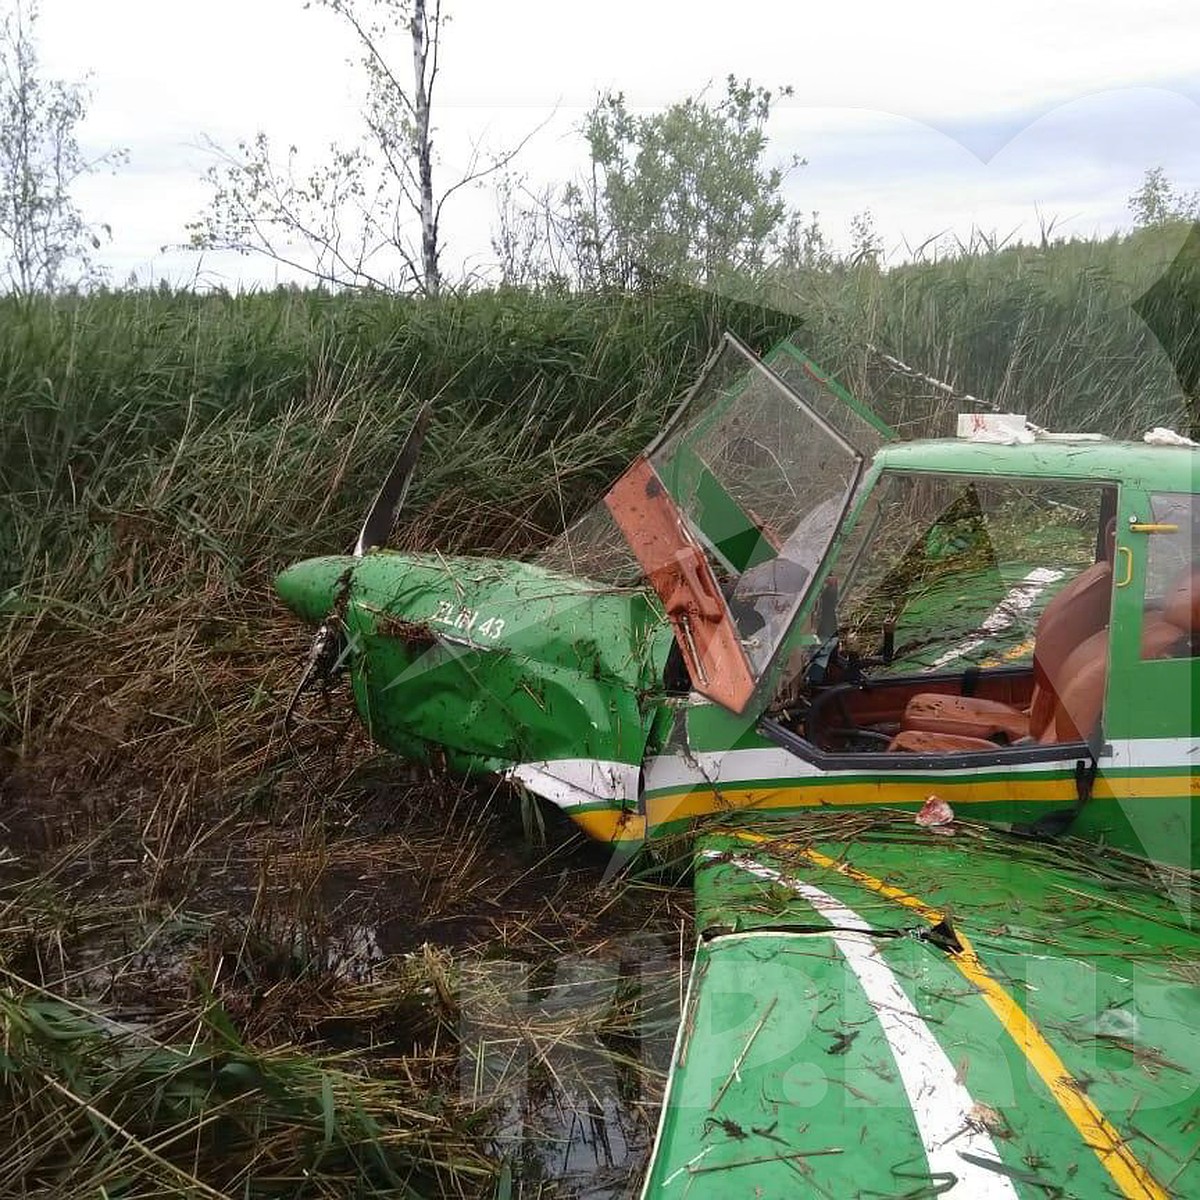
<point>345,9</point>
<point>497,164</point>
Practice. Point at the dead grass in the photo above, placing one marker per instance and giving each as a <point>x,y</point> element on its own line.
<point>234,962</point>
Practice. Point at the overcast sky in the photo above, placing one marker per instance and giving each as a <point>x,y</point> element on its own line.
<point>936,117</point>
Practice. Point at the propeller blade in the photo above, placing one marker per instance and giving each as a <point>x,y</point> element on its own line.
<point>381,518</point>
<point>316,663</point>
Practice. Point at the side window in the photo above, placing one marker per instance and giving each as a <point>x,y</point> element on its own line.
<point>959,569</point>
<point>1170,626</point>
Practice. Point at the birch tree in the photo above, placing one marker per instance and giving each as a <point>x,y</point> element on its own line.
<point>45,243</point>
<point>368,215</point>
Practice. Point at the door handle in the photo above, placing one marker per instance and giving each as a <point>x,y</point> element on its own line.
<point>1128,559</point>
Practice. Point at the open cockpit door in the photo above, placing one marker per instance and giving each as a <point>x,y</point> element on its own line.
<point>731,510</point>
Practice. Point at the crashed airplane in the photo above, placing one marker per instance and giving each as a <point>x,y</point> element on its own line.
<point>927,711</point>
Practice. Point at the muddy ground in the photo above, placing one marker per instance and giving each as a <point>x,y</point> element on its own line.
<point>339,903</point>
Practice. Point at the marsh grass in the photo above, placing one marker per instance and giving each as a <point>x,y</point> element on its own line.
<point>279,1025</point>
<point>1067,333</point>
<point>186,1005</point>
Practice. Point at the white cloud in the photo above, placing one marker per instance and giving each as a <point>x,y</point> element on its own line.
<point>933,115</point>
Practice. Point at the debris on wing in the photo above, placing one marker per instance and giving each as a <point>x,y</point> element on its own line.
<point>1119,1023</point>
<point>984,1117</point>
<point>934,812</point>
<point>1158,436</point>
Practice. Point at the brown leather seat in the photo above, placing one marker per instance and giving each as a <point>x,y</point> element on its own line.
<point>1073,715</point>
<point>1079,701</point>
<point>1074,708</point>
<point>965,716</point>
<point>1074,615</point>
<point>1162,638</point>
<point>917,741</point>
<point>1181,604</point>
<point>1172,631</point>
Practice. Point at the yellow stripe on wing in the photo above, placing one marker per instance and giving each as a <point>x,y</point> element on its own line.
<point>1098,1133</point>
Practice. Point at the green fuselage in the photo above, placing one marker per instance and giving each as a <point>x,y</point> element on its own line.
<point>485,665</point>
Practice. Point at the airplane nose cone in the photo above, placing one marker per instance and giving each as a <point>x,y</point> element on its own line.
<point>310,588</point>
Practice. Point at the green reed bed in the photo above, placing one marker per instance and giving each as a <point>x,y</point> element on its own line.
<point>161,456</point>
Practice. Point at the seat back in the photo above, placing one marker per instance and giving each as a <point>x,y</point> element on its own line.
<point>1077,704</point>
<point>1181,604</point>
<point>1074,616</point>
<point>1083,675</point>
<point>1173,630</point>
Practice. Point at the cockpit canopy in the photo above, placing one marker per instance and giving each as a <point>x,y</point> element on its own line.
<point>744,490</point>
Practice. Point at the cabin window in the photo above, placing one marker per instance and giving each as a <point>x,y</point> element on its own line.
<point>960,601</point>
<point>1170,628</point>
<point>947,573</point>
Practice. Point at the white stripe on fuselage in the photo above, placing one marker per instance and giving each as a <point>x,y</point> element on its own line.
<point>945,1114</point>
<point>750,768</point>
<point>570,782</point>
<point>731,768</point>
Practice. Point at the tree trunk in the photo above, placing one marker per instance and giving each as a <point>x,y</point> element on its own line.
<point>432,280</point>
